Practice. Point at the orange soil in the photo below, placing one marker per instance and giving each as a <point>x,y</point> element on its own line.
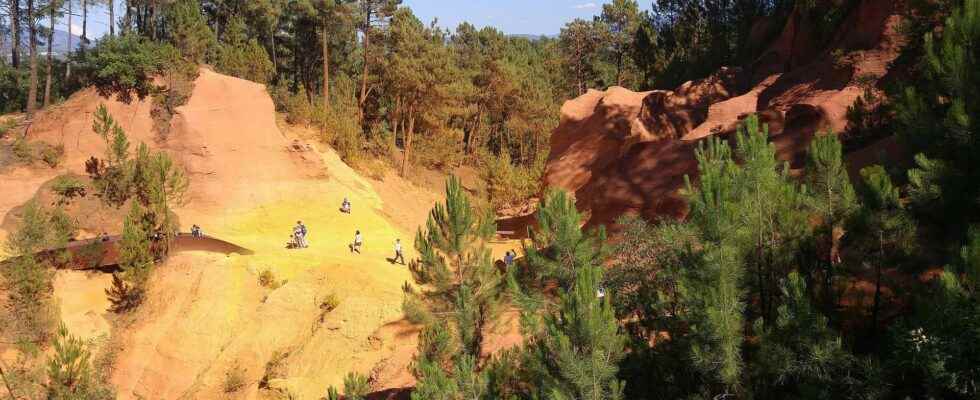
<point>624,152</point>
<point>250,182</point>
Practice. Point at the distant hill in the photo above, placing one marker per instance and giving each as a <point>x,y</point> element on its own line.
<point>533,37</point>
<point>59,47</point>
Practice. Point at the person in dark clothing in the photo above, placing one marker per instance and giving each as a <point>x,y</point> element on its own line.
<point>509,258</point>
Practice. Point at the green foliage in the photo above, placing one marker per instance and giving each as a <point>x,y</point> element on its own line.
<point>242,57</point>
<point>461,296</point>
<point>827,179</point>
<point>356,386</point>
<point>124,65</point>
<point>70,372</point>
<point>559,246</point>
<point>28,277</point>
<point>128,288</point>
<point>508,184</point>
<point>938,118</point>
<point>267,279</point>
<point>235,379</point>
<point>188,30</point>
<point>340,125</point>
<point>582,344</point>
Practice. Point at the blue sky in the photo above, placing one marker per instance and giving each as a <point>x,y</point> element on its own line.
<point>535,17</point>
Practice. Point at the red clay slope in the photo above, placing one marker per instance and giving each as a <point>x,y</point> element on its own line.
<point>622,152</point>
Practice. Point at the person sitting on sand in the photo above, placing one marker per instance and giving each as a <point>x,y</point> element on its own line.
<point>358,241</point>
<point>297,237</point>
<point>345,206</point>
<point>398,252</point>
<point>196,231</point>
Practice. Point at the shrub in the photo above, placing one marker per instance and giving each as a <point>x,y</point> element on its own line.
<point>180,86</point>
<point>22,150</point>
<point>274,369</point>
<point>329,303</point>
<point>235,379</point>
<point>68,187</point>
<point>6,125</point>
<point>508,184</point>
<point>125,65</point>
<point>439,150</point>
<point>297,107</point>
<point>268,279</point>
<point>70,373</point>
<point>52,155</point>
<point>241,57</point>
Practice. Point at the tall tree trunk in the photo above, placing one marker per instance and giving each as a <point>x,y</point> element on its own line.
<point>84,23</point>
<point>32,89</point>
<point>47,82</point>
<point>364,70</point>
<point>127,17</point>
<point>408,140</point>
<point>877,302</point>
<point>15,27</point>
<point>112,18</point>
<point>326,68</point>
<point>69,49</point>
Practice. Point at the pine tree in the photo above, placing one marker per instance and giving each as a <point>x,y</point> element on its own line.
<point>883,229</point>
<point>938,118</point>
<point>189,31</point>
<point>461,298</point>
<point>577,346</point>
<point>582,343</point>
<point>135,260</point>
<point>70,374</point>
<point>559,247</point>
<point>800,353</point>
<point>832,198</point>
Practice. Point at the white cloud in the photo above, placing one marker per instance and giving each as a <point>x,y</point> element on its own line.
<point>76,29</point>
<point>584,6</point>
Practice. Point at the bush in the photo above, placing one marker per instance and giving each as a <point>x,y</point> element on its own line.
<point>6,125</point>
<point>22,150</point>
<point>241,57</point>
<point>235,379</point>
<point>439,150</point>
<point>329,303</point>
<point>68,187</point>
<point>274,369</point>
<point>267,279</point>
<point>52,155</point>
<point>508,184</point>
<point>125,65</point>
<point>297,107</point>
<point>180,86</point>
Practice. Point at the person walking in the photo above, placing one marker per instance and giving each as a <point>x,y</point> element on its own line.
<point>398,252</point>
<point>509,258</point>
<point>358,241</point>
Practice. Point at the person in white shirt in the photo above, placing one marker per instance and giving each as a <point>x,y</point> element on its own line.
<point>358,241</point>
<point>398,252</point>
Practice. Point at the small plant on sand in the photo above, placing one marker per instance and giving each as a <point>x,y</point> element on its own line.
<point>275,368</point>
<point>267,279</point>
<point>356,387</point>
<point>51,154</point>
<point>234,379</point>
<point>68,187</point>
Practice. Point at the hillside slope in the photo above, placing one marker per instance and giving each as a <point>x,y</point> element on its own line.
<point>207,314</point>
<point>624,152</point>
